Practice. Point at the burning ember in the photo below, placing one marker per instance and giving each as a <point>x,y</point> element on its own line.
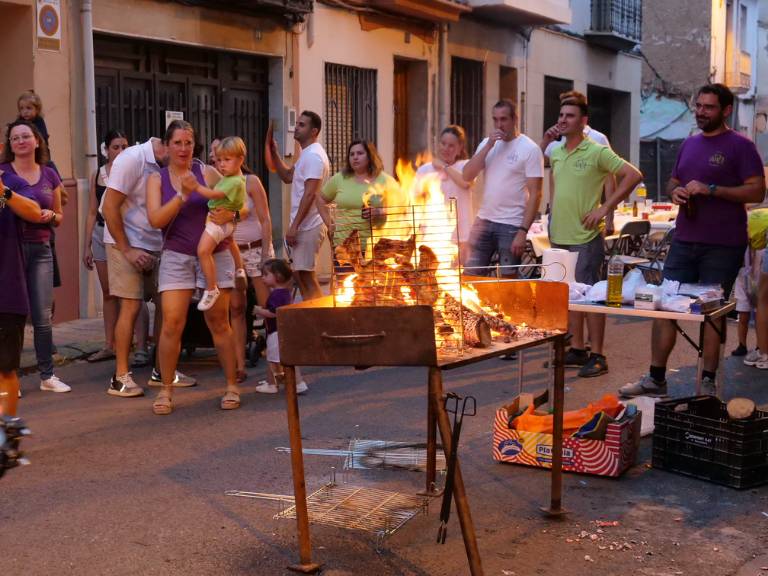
<point>407,255</point>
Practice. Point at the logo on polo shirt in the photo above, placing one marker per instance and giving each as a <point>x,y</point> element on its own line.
<point>581,164</point>
<point>717,159</point>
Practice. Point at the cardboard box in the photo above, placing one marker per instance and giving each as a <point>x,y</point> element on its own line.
<point>608,457</point>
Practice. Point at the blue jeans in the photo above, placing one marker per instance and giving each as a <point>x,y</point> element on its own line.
<point>486,239</point>
<point>38,259</point>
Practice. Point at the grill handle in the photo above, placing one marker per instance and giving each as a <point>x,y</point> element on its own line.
<point>353,338</point>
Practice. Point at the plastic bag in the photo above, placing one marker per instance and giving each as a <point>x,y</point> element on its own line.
<point>598,292</point>
<point>757,227</point>
<point>677,303</point>
<point>576,291</point>
<point>632,281</point>
<point>572,419</point>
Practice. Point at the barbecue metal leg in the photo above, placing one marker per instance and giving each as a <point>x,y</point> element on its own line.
<point>305,566</point>
<point>459,494</point>
<point>555,506</point>
<point>431,476</point>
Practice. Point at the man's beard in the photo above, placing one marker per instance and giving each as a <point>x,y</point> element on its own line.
<point>709,124</point>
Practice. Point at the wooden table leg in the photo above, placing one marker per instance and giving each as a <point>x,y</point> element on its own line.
<point>555,506</point>
<point>305,566</point>
<point>459,494</point>
<point>431,488</point>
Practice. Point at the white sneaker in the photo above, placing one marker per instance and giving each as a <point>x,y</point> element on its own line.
<point>301,387</point>
<point>762,362</point>
<point>266,388</point>
<point>754,356</point>
<point>124,386</point>
<point>53,384</point>
<point>208,299</point>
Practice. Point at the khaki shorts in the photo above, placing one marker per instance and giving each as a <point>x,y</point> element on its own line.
<point>303,254</point>
<point>182,272</point>
<point>127,282</point>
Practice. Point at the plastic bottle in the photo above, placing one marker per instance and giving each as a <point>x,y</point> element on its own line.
<point>615,282</point>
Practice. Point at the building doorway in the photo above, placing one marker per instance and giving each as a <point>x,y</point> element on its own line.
<point>410,108</point>
<point>220,93</point>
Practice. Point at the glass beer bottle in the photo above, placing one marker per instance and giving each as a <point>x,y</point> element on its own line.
<point>615,282</point>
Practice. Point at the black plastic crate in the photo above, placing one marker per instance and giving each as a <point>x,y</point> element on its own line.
<point>694,436</point>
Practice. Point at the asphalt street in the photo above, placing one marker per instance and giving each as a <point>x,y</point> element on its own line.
<point>114,490</point>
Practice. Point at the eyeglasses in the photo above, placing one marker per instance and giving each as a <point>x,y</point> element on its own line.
<point>21,137</point>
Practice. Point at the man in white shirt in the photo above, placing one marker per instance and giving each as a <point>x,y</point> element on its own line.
<point>513,168</point>
<point>133,250</point>
<point>307,176</point>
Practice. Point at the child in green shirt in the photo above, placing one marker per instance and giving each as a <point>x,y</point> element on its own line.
<point>229,193</point>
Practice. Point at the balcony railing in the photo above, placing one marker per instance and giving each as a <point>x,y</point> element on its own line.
<point>616,24</point>
<point>738,72</point>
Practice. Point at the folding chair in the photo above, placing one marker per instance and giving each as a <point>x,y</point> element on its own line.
<point>657,254</point>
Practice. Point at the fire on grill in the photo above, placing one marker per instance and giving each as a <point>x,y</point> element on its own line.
<point>407,256</point>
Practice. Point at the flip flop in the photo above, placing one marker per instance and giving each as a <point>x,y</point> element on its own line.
<point>230,400</point>
<point>101,355</point>
<point>163,405</point>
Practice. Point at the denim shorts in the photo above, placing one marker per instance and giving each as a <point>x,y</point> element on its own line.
<point>487,238</point>
<point>97,244</point>
<point>182,272</point>
<point>694,262</point>
<point>589,265</point>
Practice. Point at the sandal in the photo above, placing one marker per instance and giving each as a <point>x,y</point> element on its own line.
<point>230,400</point>
<point>163,405</point>
<point>101,355</point>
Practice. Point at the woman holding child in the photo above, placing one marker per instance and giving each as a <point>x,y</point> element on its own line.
<point>175,205</point>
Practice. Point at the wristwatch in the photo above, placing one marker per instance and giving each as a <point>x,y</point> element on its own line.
<point>712,188</point>
<point>7,193</point>
<point>236,217</point>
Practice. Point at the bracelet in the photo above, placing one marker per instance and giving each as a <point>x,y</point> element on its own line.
<point>181,196</point>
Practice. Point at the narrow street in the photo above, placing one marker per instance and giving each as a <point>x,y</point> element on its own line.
<point>114,490</point>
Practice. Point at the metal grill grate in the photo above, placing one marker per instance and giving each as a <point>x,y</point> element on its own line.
<point>350,109</point>
<point>357,508</point>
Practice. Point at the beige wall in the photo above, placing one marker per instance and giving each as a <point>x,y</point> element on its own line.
<point>335,36</point>
<point>17,21</point>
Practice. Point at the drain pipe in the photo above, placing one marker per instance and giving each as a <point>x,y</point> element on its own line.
<point>88,297</point>
<point>443,81</point>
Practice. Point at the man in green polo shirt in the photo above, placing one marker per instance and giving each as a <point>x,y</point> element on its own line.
<point>579,168</point>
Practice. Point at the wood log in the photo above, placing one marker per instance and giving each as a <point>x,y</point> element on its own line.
<point>740,408</point>
<point>476,331</point>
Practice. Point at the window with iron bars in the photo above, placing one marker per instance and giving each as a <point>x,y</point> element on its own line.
<point>467,99</point>
<point>621,17</point>
<point>350,109</point>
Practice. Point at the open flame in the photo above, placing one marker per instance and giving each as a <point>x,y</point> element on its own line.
<point>411,256</point>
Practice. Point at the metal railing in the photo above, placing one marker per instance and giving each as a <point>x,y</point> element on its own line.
<point>621,17</point>
<point>350,109</point>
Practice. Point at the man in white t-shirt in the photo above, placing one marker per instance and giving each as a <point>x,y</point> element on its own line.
<point>309,214</point>
<point>133,252</point>
<point>513,167</point>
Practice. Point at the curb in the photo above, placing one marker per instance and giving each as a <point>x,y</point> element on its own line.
<point>66,354</point>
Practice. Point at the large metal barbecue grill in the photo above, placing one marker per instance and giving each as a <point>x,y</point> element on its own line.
<point>410,306</point>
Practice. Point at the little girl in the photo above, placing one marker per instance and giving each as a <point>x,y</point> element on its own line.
<point>278,277</point>
<point>229,193</point>
<point>31,109</point>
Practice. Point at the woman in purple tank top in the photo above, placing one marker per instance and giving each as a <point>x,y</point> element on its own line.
<point>173,206</point>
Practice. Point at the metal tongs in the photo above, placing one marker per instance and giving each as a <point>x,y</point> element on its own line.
<point>457,406</point>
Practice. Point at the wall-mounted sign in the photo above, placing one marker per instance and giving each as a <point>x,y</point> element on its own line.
<point>171,115</point>
<point>49,25</point>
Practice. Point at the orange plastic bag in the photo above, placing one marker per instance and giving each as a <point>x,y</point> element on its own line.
<point>572,420</point>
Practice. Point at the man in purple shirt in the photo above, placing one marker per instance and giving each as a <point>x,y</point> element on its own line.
<point>717,172</point>
<point>15,206</point>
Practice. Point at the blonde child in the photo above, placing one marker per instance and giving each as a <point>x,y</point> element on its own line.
<point>31,109</point>
<point>229,193</point>
<point>278,277</point>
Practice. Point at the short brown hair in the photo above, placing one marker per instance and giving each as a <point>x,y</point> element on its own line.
<point>279,268</point>
<point>575,98</point>
<point>508,104</point>
<point>41,152</point>
<point>375,165</point>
